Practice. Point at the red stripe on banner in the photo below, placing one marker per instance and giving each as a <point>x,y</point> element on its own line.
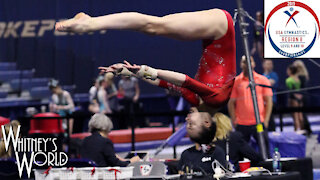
<point>115,172</point>
<point>93,171</point>
<point>47,171</point>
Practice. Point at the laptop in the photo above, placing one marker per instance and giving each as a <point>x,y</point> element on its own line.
<point>149,170</point>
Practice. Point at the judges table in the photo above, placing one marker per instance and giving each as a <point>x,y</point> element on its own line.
<point>302,165</point>
<point>285,176</point>
<point>288,175</point>
<point>297,168</point>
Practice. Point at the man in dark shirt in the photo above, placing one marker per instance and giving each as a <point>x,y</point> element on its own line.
<point>201,128</point>
<point>98,147</point>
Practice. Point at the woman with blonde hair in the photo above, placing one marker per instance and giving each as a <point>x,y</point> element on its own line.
<point>303,76</point>
<point>3,153</point>
<point>235,147</point>
<point>302,72</point>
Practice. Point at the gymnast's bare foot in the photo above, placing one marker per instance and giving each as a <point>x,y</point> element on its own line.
<point>80,23</point>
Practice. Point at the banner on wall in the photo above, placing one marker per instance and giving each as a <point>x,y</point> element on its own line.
<point>31,29</point>
<point>291,29</point>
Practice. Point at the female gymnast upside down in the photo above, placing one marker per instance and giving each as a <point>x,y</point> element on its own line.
<point>212,85</point>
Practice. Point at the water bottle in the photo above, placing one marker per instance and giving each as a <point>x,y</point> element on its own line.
<point>276,164</point>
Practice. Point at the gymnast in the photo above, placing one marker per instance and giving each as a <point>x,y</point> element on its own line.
<point>212,85</point>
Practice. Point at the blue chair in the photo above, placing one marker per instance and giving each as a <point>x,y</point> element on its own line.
<point>9,75</point>
<point>3,94</point>
<point>27,84</point>
<point>28,73</point>
<point>40,92</point>
<point>69,88</point>
<point>316,174</point>
<point>7,66</point>
<point>81,97</point>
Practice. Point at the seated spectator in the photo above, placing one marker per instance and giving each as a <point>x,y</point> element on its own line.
<point>201,128</point>
<point>238,147</point>
<point>61,102</point>
<point>98,147</point>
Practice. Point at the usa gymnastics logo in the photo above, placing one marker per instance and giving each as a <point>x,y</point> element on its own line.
<point>291,29</point>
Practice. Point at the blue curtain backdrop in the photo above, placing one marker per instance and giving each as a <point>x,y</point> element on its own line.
<point>73,59</point>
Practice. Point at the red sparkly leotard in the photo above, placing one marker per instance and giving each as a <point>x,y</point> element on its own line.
<point>216,72</point>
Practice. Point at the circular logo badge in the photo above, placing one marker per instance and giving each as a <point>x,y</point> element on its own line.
<point>292,28</point>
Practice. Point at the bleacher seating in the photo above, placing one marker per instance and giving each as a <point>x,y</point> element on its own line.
<point>40,92</point>
<point>27,84</point>
<point>17,87</point>
<point>81,97</point>
<point>3,94</point>
<point>69,88</point>
<point>44,92</point>
<point>288,125</point>
<point>6,76</point>
<point>7,66</point>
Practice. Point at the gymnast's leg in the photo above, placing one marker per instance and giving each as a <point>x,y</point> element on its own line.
<point>206,24</point>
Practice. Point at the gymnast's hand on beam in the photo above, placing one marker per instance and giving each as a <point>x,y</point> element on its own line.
<point>77,24</point>
<point>115,68</point>
<point>133,68</point>
<point>104,70</point>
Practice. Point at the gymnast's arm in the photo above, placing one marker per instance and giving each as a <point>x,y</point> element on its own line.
<point>172,77</point>
<point>206,24</point>
<point>175,78</point>
<point>162,78</point>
